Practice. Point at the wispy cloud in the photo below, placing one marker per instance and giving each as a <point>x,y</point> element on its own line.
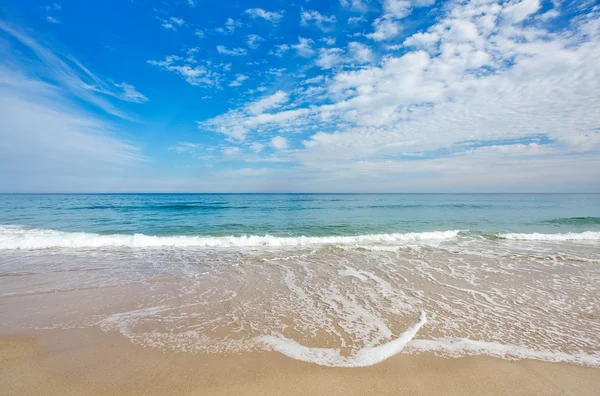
<point>231,51</point>
<point>51,11</point>
<point>190,72</point>
<point>229,27</point>
<point>259,115</point>
<point>279,143</point>
<point>355,54</point>
<point>131,94</point>
<point>303,48</point>
<point>49,142</point>
<point>239,79</point>
<point>323,22</point>
<point>172,23</point>
<point>356,5</point>
<point>253,40</point>
<point>185,147</point>
<point>270,16</point>
<point>66,71</point>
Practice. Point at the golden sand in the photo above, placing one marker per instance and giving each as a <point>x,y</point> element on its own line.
<point>90,362</point>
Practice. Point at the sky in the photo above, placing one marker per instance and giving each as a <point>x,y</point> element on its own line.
<point>299,96</point>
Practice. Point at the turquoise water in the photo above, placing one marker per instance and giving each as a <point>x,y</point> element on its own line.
<point>302,214</point>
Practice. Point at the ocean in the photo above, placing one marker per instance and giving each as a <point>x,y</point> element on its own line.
<point>334,279</point>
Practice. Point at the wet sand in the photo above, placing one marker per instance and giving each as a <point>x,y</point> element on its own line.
<point>91,362</point>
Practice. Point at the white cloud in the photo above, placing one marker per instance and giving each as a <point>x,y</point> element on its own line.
<point>387,26</point>
<point>328,40</point>
<point>356,54</point>
<point>385,29</point>
<point>185,147</point>
<point>49,142</point>
<point>233,51</point>
<point>66,71</point>
<point>329,57</point>
<point>257,147</point>
<point>279,143</point>
<point>303,48</point>
<point>193,74</point>
<point>172,23</point>
<point>359,19</point>
<point>268,102</point>
<point>356,5</point>
<point>199,33</point>
<point>229,27</point>
<point>253,39</point>
<point>518,11</point>
<point>270,16</point>
<point>230,151</point>
<point>397,8</point>
<point>477,93</point>
<point>314,80</point>
<point>131,94</point>
<point>52,8</point>
<point>359,52</point>
<point>323,22</point>
<point>177,21</point>
<point>422,40</point>
<point>258,116</point>
<point>274,72</point>
<point>191,3</point>
<point>239,79</point>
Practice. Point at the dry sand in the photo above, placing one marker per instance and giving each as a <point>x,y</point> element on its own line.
<point>90,362</point>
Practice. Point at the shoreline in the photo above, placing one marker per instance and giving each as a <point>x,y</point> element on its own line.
<point>90,361</point>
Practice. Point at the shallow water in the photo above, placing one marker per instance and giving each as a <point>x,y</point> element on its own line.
<point>493,274</point>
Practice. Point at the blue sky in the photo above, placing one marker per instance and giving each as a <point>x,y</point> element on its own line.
<point>306,96</point>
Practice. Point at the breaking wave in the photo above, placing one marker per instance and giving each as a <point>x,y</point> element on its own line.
<point>14,237</point>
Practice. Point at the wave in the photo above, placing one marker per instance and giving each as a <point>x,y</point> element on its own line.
<point>416,206</point>
<point>172,207</point>
<point>366,356</point>
<point>573,221</point>
<point>458,347</point>
<point>14,237</point>
<point>406,343</point>
<point>569,236</point>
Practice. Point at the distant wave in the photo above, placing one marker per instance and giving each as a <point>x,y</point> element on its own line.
<point>15,237</point>
<point>573,221</point>
<point>415,206</point>
<point>223,205</point>
<point>160,207</point>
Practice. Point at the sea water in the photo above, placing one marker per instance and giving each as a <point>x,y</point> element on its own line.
<point>334,279</point>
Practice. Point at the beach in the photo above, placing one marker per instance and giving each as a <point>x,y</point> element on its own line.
<point>332,294</point>
<point>75,362</point>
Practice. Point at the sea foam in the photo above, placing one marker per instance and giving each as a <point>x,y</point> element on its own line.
<point>458,347</point>
<point>13,237</point>
<point>569,236</point>
<point>367,356</point>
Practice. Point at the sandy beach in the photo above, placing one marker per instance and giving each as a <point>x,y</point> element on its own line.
<point>91,362</point>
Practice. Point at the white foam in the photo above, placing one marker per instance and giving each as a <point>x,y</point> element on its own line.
<point>570,236</point>
<point>12,237</point>
<point>457,347</point>
<point>367,356</point>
